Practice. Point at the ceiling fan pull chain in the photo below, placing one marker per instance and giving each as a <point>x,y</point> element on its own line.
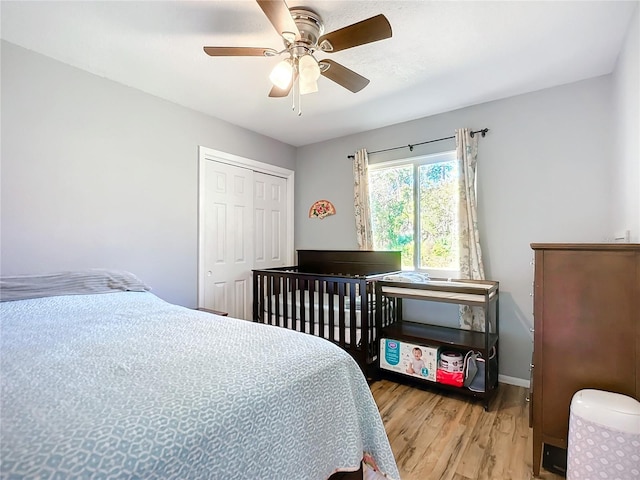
<point>293,95</point>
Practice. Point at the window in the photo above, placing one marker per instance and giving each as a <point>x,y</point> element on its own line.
<point>414,209</point>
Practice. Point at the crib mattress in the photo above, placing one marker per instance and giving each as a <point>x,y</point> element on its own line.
<point>319,303</point>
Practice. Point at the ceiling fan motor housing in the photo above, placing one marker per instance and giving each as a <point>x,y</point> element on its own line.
<point>309,24</point>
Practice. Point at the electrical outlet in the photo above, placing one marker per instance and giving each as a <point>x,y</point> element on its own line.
<point>622,237</point>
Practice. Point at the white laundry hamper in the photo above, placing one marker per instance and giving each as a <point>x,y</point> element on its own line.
<point>604,437</point>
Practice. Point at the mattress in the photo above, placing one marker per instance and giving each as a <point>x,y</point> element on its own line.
<point>126,385</point>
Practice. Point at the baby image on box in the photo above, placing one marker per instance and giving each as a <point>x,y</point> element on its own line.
<point>409,359</point>
<point>416,365</point>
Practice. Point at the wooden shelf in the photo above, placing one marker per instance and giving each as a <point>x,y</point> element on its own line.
<point>427,384</point>
<point>435,335</point>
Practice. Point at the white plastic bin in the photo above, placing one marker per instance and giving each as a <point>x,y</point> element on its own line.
<point>604,437</point>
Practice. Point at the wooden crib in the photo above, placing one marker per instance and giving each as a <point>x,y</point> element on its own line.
<point>330,294</point>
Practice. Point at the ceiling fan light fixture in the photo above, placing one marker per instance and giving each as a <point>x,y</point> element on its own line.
<point>309,72</point>
<point>308,86</point>
<point>282,74</point>
<point>302,31</point>
<point>308,68</point>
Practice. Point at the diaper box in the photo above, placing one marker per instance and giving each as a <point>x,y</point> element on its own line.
<point>419,361</point>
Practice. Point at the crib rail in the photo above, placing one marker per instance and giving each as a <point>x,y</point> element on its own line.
<point>336,307</point>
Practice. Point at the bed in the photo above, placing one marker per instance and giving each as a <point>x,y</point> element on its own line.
<point>329,294</point>
<point>102,379</point>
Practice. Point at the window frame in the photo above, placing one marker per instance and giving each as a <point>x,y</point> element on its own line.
<point>416,162</point>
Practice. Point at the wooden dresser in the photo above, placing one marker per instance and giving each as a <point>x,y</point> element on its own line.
<point>586,331</point>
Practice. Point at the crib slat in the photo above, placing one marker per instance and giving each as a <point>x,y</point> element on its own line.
<point>321,295</point>
<point>352,316</point>
<point>256,297</point>
<point>332,310</point>
<point>341,319</point>
<point>294,308</point>
<point>312,305</point>
<point>286,288</point>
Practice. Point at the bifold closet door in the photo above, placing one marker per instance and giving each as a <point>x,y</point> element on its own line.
<point>228,238</point>
<point>244,227</point>
<point>269,220</point>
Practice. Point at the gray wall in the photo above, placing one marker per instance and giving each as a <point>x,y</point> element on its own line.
<point>96,174</point>
<point>626,155</point>
<point>544,176</point>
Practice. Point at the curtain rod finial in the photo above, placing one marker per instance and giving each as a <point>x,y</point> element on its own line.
<point>482,132</point>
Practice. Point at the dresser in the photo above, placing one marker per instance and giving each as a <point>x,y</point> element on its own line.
<point>586,331</point>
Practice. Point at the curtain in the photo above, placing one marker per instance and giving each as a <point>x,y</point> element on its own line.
<point>471,266</point>
<point>361,200</point>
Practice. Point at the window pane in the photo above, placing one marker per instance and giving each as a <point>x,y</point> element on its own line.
<point>439,215</point>
<point>392,210</point>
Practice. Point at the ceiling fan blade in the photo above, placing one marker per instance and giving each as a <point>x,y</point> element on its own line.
<point>240,51</point>
<point>278,14</point>
<point>277,92</point>
<point>367,31</point>
<point>343,76</point>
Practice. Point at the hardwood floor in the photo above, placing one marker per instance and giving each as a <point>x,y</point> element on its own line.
<point>441,436</point>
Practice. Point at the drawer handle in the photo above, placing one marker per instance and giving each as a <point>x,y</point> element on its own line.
<point>527,399</point>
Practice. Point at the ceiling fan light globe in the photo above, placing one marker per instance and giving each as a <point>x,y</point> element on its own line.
<point>281,74</point>
<point>308,68</point>
<point>308,86</point>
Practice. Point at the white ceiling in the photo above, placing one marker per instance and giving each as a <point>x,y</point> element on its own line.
<point>443,55</point>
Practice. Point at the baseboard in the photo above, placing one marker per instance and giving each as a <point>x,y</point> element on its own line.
<point>520,382</point>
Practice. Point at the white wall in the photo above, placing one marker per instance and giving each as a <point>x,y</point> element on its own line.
<point>96,174</point>
<point>544,175</point>
<point>626,118</point>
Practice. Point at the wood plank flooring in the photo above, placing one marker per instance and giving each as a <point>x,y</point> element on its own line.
<point>437,435</point>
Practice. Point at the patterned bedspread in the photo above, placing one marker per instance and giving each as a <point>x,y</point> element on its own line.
<point>125,385</point>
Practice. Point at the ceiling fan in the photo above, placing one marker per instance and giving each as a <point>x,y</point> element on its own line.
<point>302,31</point>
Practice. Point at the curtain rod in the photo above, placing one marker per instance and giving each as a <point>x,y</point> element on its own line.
<point>483,132</point>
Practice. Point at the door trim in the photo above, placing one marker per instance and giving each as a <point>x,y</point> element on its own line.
<point>208,154</point>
